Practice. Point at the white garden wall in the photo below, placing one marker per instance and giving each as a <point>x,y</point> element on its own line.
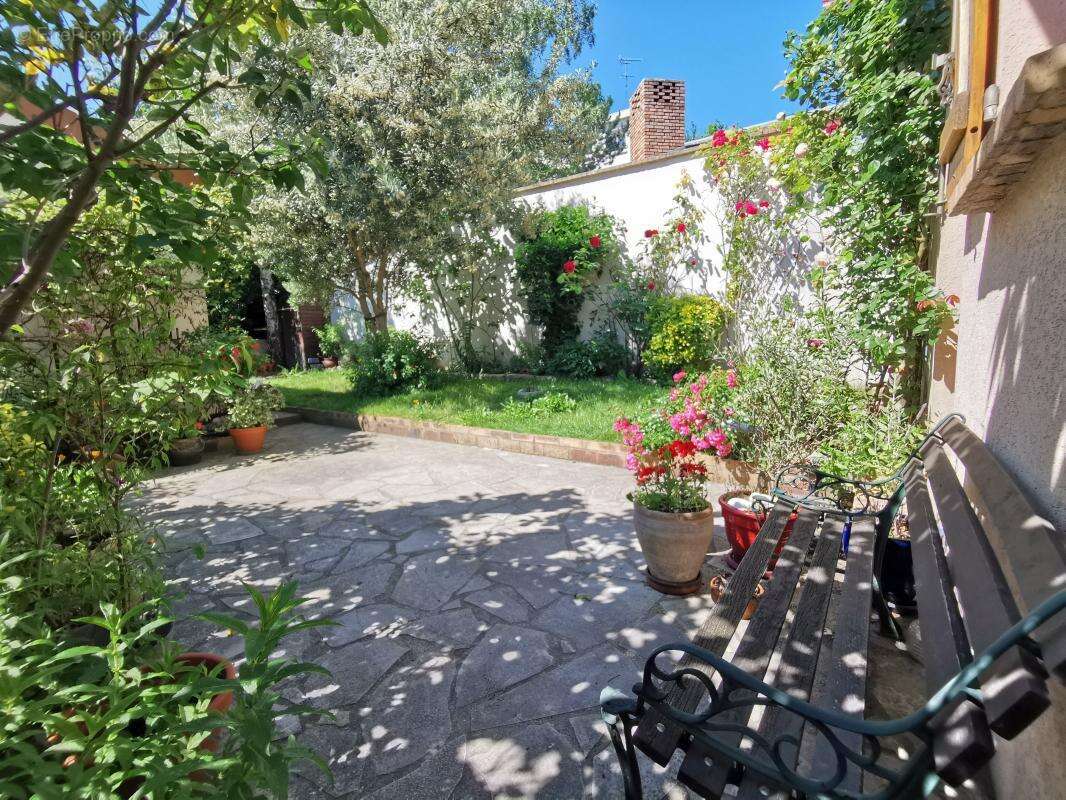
<point>638,196</point>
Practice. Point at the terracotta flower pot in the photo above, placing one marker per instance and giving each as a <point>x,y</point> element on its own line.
<point>674,547</point>
<point>720,584</point>
<point>248,440</point>
<point>220,703</point>
<point>741,528</point>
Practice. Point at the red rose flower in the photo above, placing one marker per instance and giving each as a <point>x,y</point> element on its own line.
<point>569,266</point>
<point>763,143</point>
<point>650,232</point>
<point>832,126</point>
<point>651,286</point>
<point>681,228</point>
<point>595,242</point>
<point>750,208</point>
<point>764,204</point>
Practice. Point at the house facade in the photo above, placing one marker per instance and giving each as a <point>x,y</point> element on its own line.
<point>1001,247</point>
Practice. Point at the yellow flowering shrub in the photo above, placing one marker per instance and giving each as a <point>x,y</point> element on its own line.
<point>684,333</point>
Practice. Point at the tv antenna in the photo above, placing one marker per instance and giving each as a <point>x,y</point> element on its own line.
<point>625,62</point>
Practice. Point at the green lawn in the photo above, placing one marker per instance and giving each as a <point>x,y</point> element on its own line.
<point>481,402</point>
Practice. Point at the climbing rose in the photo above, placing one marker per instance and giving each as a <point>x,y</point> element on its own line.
<point>763,143</point>
<point>651,286</point>
<point>740,206</point>
<point>831,126</point>
<point>569,267</point>
<point>681,227</point>
<point>680,376</point>
<point>595,242</point>
<point>750,208</point>
<point>731,379</point>
<point>719,138</point>
<point>764,204</point>
<point>802,149</point>
<point>650,232</point>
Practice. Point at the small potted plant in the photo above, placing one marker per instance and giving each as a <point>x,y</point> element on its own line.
<point>331,343</point>
<point>251,412</point>
<point>188,448</point>
<point>743,515</point>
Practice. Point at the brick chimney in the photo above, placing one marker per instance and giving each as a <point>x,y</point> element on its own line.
<point>656,118</point>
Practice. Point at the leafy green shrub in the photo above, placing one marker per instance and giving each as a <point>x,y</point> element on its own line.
<point>129,715</point>
<point>872,444</point>
<point>557,255</point>
<point>254,406</point>
<point>684,333</point>
<point>529,357</point>
<point>388,362</point>
<point>331,339</point>
<point>602,355</point>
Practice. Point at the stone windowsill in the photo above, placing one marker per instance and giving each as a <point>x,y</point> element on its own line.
<point>1033,114</point>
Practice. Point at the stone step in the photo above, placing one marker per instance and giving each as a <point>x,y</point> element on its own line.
<point>286,418</point>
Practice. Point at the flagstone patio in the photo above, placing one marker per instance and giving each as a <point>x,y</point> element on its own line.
<point>483,600</point>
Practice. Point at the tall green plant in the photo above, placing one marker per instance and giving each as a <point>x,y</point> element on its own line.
<point>872,163</point>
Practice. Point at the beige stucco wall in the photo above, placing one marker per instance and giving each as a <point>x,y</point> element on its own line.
<point>1003,364</point>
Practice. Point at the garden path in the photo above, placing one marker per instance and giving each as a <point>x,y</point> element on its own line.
<point>483,598</point>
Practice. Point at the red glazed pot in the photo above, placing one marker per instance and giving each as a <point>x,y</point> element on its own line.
<point>248,440</point>
<point>741,528</point>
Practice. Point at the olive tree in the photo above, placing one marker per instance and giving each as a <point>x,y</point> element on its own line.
<point>423,143</point>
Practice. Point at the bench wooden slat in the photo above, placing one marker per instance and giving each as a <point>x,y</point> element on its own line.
<point>1013,691</point>
<point>845,688</point>
<point>1032,552</point>
<point>714,635</point>
<point>795,674</point>
<point>753,654</point>
<point>966,743</point>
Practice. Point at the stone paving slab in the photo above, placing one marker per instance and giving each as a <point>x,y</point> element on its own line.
<point>483,600</point>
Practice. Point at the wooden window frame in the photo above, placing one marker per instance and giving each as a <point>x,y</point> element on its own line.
<point>965,126</point>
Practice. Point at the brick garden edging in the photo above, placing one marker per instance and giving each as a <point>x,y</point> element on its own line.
<point>608,454</point>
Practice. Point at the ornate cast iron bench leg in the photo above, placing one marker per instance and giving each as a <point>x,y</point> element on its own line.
<point>620,712</point>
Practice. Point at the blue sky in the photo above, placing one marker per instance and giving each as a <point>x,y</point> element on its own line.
<point>728,53</point>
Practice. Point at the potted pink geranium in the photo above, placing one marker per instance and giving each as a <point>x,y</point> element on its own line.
<point>673,518</point>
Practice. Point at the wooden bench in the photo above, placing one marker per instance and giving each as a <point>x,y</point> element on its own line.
<point>990,577</point>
